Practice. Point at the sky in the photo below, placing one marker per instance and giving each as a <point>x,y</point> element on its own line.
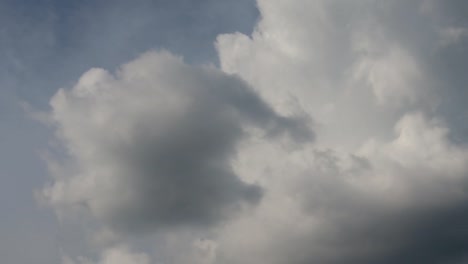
<point>226,132</point>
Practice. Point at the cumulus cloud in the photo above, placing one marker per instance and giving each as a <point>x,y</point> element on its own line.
<point>384,182</point>
<point>151,146</point>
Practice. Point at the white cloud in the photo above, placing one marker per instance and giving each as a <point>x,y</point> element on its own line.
<point>384,171</point>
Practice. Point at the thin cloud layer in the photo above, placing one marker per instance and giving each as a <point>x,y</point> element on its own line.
<point>384,182</point>
<point>151,146</point>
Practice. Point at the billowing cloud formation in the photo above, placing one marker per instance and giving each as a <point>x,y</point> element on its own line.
<point>386,178</point>
<point>151,146</point>
<point>385,182</point>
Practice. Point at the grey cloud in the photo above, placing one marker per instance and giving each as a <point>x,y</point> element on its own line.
<point>355,210</point>
<point>48,44</point>
<point>422,27</point>
<point>429,226</point>
<point>153,145</point>
<point>157,143</point>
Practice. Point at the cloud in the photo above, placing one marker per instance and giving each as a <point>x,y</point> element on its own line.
<point>151,146</point>
<point>384,182</point>
<point>117,255</point>
<point>401,201</point>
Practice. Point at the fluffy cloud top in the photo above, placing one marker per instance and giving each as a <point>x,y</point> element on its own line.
<point>384,182</point>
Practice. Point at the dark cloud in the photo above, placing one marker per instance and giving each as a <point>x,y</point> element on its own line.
<point>153,145</point>
<point>425,224</point>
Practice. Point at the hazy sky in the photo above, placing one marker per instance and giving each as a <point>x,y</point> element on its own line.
<point>227,132</point>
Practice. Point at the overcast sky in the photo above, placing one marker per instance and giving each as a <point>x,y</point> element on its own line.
<point>227,132</point>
